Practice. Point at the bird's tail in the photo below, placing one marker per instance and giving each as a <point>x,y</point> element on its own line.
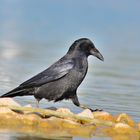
<point>17,92</point>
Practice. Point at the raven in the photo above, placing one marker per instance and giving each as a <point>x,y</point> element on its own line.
<point>61,80</point>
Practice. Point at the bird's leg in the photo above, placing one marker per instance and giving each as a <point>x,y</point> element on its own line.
<point>77,103</point>
<point>37,102</point>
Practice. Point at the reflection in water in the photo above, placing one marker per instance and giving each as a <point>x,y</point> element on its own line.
<point>9,50</point>
<point>14,136</point>
<point>37,138</point>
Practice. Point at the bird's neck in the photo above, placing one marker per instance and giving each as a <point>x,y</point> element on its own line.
<point>81,62</point>
<point>77,53</point>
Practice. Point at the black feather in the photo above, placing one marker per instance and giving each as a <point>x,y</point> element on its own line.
<point>61,80</point>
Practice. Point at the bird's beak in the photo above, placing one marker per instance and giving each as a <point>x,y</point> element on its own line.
<point>97,54</point>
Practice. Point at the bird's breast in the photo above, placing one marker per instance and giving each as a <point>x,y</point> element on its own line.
<point>81,66</point>
<point>78,73</point>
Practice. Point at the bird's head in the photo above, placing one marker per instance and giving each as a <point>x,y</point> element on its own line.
<point>86,47</point>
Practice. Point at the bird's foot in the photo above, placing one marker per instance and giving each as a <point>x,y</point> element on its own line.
<point>94,110</point>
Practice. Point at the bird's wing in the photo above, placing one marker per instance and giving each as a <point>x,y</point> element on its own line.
<point>54,72</point>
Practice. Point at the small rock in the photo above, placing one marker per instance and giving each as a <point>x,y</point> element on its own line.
<point>122,128</point>
<point>103,116</point>
<point>30,119</point>
<point>86,113</point>
<point>28,105</point>
<point>8,102</point>
<point>124,118</point>
<point>64,110</point>
<point>6,110</point>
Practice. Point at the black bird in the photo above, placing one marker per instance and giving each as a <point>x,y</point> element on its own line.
<point>61,80</point>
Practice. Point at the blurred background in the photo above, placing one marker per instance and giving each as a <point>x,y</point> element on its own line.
<point>36,33</point>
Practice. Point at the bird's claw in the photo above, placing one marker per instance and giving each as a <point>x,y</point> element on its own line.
<point>94,110</point>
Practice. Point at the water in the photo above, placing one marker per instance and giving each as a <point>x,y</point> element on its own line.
<point>35,34</point>
<point>112,85</point>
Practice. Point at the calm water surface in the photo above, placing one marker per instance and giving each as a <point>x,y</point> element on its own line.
<point>112,85</point>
